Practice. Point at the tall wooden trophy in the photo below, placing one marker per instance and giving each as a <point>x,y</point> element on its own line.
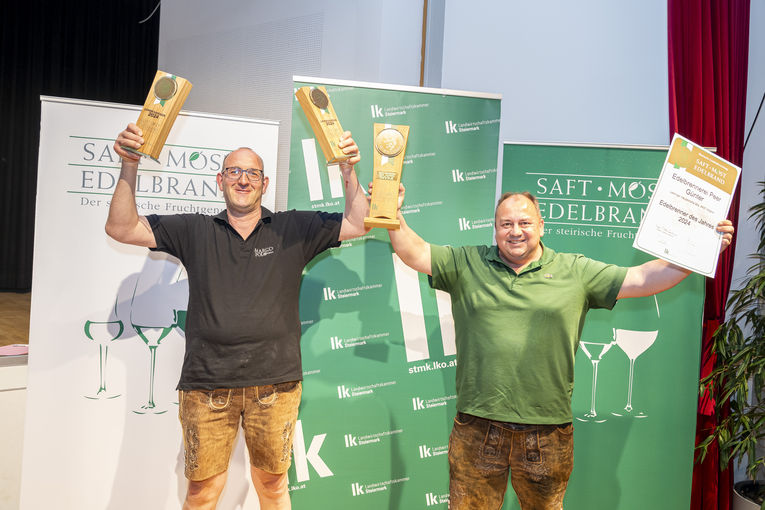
<point>166,97</point>
<point>323,120</point>
<point>390,147</point>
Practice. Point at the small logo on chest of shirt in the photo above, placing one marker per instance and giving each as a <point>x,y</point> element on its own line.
<point>263,252</point>
<point>547,276</point>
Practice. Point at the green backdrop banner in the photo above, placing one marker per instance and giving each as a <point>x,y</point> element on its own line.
<point>636,376</point>
<point>378,343</point>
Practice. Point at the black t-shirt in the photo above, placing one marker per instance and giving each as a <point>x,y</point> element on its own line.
<point>242,324</point>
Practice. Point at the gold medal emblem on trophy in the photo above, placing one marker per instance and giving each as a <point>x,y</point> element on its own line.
<point>390,148</point>
<point>323,120</point>
<point>166,97</point>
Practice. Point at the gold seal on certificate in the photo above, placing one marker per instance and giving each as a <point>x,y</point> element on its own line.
<point>390,148</point>
<point>323,120</point>
<point>166,97</point>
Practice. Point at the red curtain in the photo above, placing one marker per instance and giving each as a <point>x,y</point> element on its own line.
<point>708,61</point>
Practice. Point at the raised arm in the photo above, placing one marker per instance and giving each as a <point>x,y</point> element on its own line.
<point>124,224</point>
<point>659,275</point>
<point>356,204</point>
<point>410,247</point>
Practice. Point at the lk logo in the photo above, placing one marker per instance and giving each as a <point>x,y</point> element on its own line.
<point>329,294</point>
<point>311,456</point>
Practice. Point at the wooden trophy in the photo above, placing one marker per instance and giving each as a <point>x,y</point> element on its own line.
<point>166,96</point>
<point>326,128</point>
<point>390,147</point>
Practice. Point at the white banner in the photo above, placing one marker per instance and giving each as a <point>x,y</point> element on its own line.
<point>106,336</point>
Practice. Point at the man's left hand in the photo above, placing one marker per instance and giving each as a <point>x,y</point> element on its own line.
<point>725,227</point>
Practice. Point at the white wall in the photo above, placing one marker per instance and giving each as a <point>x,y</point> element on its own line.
<point>241,55</point>
<point>586,71</point>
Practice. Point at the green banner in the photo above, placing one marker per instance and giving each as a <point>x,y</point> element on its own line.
<point>636,376</point>
<point>378,343</point>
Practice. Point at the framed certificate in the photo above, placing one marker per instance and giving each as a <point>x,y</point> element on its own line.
<point>692,195</point>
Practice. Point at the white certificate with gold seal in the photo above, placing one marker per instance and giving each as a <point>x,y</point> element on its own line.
<point>692,195</point>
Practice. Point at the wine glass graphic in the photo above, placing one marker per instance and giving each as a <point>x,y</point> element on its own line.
<point>633,343</point>
<point>103,332</point>
<point>152,336</point>
<point>154,314</point>
<point>594,352</point>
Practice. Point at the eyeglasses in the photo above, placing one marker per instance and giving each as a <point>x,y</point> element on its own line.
<point>233,173</point>
<point>522,224</point>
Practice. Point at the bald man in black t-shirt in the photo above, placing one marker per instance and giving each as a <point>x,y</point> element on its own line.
<point>242,358</point>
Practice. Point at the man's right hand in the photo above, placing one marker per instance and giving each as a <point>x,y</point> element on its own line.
<point>130,137</point>
<point>124,224</point>
<point>401,192</point>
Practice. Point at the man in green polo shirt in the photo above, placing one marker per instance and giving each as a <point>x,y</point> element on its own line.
<point>519,309</point>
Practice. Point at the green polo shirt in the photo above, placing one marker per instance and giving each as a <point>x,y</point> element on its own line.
<point>517,334</point>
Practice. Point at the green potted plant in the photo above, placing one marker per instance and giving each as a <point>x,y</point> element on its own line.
<point>740,375</point>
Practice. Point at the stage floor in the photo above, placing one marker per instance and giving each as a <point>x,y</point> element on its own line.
<point>14,318</point>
